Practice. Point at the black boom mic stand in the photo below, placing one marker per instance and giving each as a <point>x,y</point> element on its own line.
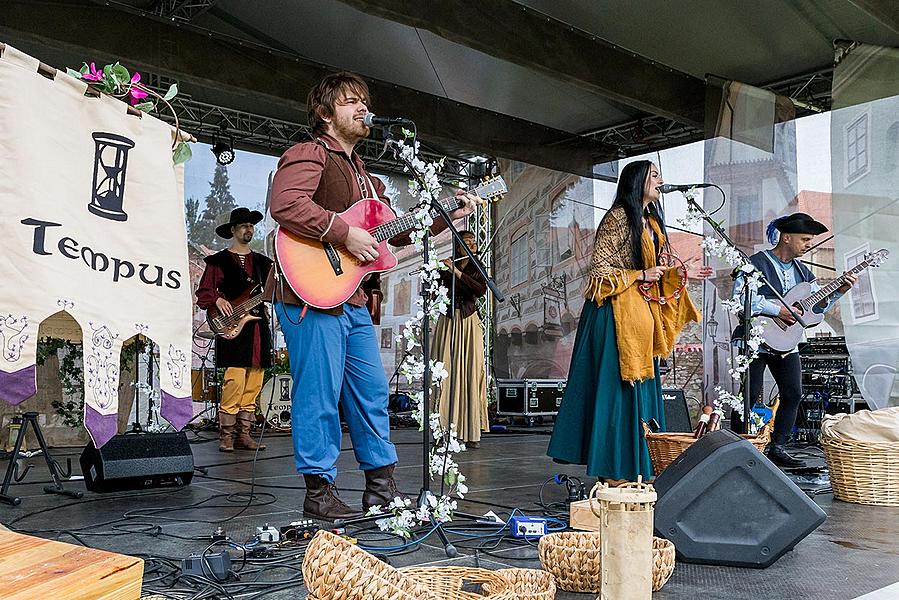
<point>436,207</point>
<point>746,315</point>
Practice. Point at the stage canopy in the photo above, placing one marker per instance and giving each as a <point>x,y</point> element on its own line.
<point>564,84</point>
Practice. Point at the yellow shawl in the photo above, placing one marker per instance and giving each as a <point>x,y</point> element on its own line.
<point>643,330</point>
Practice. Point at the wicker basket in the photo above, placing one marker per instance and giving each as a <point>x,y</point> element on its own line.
<point>447,583</point>
<point>863,472</point>
<point>335,568</point>
<point>526,584</point>
<point>662,562</point>
<point>574,559</point>
<point>665,447</point>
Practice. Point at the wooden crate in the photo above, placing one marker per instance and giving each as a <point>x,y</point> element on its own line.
<point>582,517</point>
<point>32,567</point>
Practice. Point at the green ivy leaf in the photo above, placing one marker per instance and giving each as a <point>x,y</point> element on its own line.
<point>121,74</point>
<point>182,153</point>
<point>145,106</point>
<point>73,73</point>
<point>173,91</point>
<point>85,69</point>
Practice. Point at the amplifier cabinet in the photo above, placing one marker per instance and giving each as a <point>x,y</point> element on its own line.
<point>529,397</point>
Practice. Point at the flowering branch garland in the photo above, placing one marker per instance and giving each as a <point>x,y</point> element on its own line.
<point>116,81</point>
<point>715,247</point>
<point>403,515</point>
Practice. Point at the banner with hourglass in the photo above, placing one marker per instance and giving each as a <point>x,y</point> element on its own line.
<point>93,215</point>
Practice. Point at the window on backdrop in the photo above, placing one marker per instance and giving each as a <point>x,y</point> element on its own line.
<point>520,256</point>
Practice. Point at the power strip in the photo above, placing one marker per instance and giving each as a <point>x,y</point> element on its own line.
<point>527,527</point>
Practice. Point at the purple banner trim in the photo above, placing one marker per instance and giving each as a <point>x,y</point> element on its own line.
<point>100,427</point>
<point>18,386</point>
<point>175,410</point>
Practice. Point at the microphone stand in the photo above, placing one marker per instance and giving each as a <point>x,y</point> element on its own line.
<point>747,302</point>
<point>435,206</point>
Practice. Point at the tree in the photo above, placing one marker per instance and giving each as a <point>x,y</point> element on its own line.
<point>219,204</point>
<point>191,216</point>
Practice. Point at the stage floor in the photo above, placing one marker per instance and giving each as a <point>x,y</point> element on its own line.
<point>854,552</point>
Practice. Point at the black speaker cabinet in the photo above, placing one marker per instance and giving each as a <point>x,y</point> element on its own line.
<point>677,417</point>
<point>722,502</point>
<point>137,461</point>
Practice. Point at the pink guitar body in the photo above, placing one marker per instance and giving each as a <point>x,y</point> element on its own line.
<point>325,275</point>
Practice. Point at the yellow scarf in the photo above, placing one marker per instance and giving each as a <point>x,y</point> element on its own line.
<point>643,330</point>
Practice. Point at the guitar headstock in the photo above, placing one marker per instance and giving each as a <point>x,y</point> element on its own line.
<point>875,259</point>
<point>491,188</point>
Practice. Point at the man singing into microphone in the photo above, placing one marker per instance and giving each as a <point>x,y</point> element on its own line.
<point>334,354</point>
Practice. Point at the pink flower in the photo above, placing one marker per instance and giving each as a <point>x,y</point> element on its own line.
<point>136,94</point>
<point>93,74</point>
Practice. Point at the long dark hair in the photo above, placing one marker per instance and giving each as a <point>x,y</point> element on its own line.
<point>629,196</point>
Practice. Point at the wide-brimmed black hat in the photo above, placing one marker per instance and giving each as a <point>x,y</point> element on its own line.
<point>238,216</point>
<point>799,223</point>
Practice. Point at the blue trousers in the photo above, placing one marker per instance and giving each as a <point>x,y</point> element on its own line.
<point>336,358</point>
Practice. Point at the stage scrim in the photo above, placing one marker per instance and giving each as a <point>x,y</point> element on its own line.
<point>93,213</point>
<point>864,170</point>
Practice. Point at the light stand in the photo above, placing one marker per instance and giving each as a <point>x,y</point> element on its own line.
<point>135,425</point>
<point>747,302</point>
<point>437,207</point>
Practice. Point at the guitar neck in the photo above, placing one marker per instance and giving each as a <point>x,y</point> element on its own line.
<point>249,304</point>
<point>834,285</point>
<point>400,225</point>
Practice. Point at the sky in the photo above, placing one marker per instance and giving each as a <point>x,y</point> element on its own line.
<point>247,175</point>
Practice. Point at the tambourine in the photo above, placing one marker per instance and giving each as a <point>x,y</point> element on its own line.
<point>646,288</point>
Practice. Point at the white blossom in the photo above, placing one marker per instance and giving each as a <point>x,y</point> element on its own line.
<point>441,464</point>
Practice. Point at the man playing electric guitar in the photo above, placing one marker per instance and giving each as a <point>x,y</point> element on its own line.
<point>228,275</point>
<point>334,354</point>
<point>792,237</point>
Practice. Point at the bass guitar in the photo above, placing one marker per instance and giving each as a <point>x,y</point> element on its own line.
<point>245,309</point>
<point>782,336</point>
<point>325,275</point>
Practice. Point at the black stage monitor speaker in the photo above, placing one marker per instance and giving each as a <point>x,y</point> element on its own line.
<point>136,461</point>
<point>677,417</point>
<point>723,503</point>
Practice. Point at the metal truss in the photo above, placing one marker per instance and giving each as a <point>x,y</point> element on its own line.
<point>273,136</point>
<point>810,93</point>
<point>182,11</point>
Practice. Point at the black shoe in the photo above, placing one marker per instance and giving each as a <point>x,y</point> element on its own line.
<point>780,457</point>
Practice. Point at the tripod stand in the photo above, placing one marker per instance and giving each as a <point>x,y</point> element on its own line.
<point>438,209</point>
<point>56,471</point>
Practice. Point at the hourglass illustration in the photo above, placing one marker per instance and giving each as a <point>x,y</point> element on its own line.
<point>110,163</point>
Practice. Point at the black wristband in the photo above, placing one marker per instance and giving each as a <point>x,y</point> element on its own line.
<point>643,275</point>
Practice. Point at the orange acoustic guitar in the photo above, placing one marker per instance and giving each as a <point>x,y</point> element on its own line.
<point>325,275</point>
<point>244,310</point>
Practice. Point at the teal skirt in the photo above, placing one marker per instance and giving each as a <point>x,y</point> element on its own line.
<point>599,420</point>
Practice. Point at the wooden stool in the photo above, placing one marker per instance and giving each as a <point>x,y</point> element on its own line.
<point>32,567</point>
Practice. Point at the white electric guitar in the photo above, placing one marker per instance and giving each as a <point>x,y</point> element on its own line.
<point>782,336</point>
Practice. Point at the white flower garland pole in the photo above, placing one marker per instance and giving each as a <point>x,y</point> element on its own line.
<point>401,515</point>
<point>717,248</point>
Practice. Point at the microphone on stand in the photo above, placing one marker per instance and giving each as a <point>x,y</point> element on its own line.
<point>373,120</point>
<point>670,187</point>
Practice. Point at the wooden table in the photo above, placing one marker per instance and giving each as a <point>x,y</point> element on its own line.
<point>32,567</point>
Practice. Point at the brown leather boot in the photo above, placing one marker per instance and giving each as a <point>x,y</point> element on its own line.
<point>380,487</point>
<point>245,441</point>
<point>323,502</point>
<point>226,431</point>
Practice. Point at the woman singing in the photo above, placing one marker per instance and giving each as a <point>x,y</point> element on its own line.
<point>613,381</point>
<point>459,344</point>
